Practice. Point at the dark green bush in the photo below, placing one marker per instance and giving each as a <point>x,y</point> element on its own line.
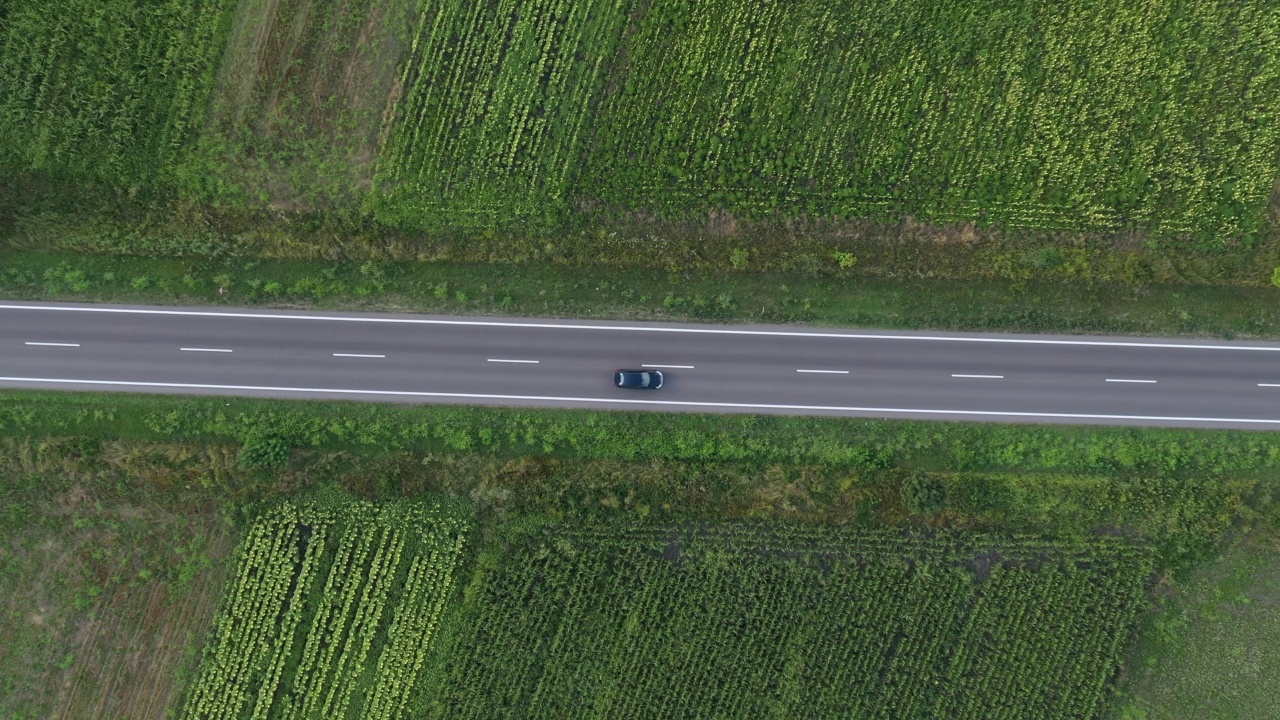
<point>263,450</point>
<point>924,494</point>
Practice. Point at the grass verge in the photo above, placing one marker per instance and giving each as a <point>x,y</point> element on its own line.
<point>1182,490</point>
<point>550,289</point>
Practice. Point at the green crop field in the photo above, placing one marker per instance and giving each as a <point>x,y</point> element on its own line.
<point>497,103</point>
<point>330,612</point>
<point>105,90</point>
<point>536,115</point>
<point>1087,115</point>
<point>755,622</point>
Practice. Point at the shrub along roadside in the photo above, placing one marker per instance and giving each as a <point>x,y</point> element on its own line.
<point>546,288</point>
<point>1182,490</point>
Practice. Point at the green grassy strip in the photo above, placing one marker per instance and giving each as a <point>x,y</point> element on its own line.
<point>1182,490</point>
<point>756,440</point>
<point>549,289</point>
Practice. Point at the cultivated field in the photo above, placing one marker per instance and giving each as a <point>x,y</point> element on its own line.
<point>105,90</point>
<point>535,116</point>
<point>331,611</point>
<point>1087,116</point>
<point>119,517</point>
<point>752,622</point>
<point>496,108</point>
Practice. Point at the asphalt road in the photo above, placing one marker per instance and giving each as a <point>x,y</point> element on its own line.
<point>709,368</point>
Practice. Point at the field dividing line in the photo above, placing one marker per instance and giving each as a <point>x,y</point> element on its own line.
<point>672,367</point>
<point>53,344</point>
<point>217,350</point>
<point>357,355</point>
<point>662,403</point>
<point>1122,380</point>
<point>825,372</point>
<point>981,377</point>
<point>640,328</point>
<point>527,362</point>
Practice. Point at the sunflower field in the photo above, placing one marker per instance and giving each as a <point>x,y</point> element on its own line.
<point>496,107</point>
<point>330,614</point>
<point>1161,116</point>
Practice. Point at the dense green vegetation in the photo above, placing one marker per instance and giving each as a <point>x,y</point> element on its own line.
<point>1084,116</point>
<point>495,111</point>
<point>121,510</point>
<point>1032,166</point>
<point>1081,116</point>
<point>757,622</point>
<point>737,160</point>
<point>1212,650</point>
<point>106,90</point>
<point>331,612</point>
<point>1181,490</point>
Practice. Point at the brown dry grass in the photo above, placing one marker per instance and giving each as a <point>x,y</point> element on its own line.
<point>303,91</point>
<point>128,655</point>
<point>109,577</point>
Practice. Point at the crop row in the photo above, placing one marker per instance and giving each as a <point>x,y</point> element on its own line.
<point>750,621</point>
<point>1086,115</point>
<point>331,611</point>
<point>495,107</point>
<point>105,90</point>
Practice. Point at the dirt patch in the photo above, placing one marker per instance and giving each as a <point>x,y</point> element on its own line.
<point>722,222</point>
<point>982,563</point>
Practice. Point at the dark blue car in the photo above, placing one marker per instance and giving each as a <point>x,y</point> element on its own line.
<point>639,379</point>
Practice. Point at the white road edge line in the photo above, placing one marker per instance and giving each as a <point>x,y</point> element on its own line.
<point>672,367</point>
<point>529,362</point>
<point>825,372</point>
<point>44,344</point>
<point>1268,384</point>
<point>633,328</point>
<point>986,377</point>
<point>618,401</point>
<point>203,350</point>
<point>356,355</point>
<point>1120,380</point>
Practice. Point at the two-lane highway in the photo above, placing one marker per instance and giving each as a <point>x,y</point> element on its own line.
<point>710,368</point>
